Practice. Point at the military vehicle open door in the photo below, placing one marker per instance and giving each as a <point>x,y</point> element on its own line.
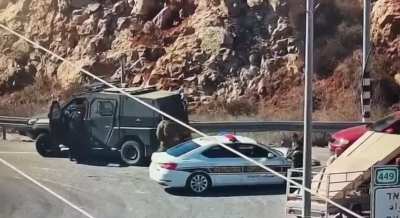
<point>47,142</point>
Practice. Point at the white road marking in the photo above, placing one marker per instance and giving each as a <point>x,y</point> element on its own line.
<point>82,211</point>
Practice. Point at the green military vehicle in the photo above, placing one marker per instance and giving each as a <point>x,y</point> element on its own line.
<point>112,121</point>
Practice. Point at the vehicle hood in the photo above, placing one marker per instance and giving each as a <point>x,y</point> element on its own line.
<point>40,119</point>
<point>351,134</point>
<point>285,151</point>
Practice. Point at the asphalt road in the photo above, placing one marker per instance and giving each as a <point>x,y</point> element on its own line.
<point>105,189</point>
<point>102,188</point>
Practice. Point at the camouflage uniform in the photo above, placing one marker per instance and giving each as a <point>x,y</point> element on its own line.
<point>170,134</point>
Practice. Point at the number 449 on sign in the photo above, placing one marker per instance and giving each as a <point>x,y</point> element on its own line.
<point>387,176</point>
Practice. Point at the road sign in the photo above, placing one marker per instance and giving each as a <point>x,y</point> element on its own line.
<point>385,186</point>
<point>387,176</point>
<point>387,202</point>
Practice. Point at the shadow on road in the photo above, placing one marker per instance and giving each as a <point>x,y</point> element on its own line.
<point>100,158</point>
<point>233,191</point>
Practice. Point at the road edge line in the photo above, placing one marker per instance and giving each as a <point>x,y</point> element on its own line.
<point>82,211</point>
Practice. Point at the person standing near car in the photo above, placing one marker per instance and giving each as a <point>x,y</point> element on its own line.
<point>76,133</point>
<point>296,153</point>
<point>170,134</point>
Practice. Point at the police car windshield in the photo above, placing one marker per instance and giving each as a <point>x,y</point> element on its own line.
<point>182,148</point>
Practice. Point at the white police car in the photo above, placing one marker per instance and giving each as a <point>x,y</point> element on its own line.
<point>200,163</point>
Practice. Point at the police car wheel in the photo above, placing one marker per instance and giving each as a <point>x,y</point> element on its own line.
<point>132,153</point>
<point>43,145</point>
<point>198,183</point>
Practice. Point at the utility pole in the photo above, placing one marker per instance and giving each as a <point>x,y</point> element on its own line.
<point>308,102</point>
<point>366,77</point>
<point>123,62</point>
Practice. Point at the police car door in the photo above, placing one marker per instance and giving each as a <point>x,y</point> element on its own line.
<point>225,167</point>
<point>253,174</point>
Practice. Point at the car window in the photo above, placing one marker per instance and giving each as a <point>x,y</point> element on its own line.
<point>105,108</point>
<point>218,152</point>
<point>102,108</point>
<point>253,151</point>
<point>182,148</point>
<point>76,104</point>
<point>135,109</point>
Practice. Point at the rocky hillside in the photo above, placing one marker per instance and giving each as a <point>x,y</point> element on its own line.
<point>235,56</point>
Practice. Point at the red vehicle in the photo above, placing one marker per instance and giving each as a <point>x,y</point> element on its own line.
<point>341,140</point>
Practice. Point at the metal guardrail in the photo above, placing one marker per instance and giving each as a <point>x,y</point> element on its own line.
<point>264,126</point>
<point>12,122</point>
<point>220,126</point>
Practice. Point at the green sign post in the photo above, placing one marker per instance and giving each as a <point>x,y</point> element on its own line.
<point>387,175</point>
<point>385,192</point>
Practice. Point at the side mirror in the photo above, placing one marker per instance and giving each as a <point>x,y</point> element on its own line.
<point>271,156</point>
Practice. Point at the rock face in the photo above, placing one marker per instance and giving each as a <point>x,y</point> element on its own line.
<point>217,50</point>
<point>386,27</point>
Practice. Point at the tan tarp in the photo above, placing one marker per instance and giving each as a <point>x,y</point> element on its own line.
<point>352,168</point>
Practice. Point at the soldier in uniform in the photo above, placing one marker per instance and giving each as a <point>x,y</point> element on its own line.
<point>76,133</point>
<point>170,134</point>
<point>296,153</point>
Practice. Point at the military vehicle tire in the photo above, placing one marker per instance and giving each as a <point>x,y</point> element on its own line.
<point>43,145</point>
<point>132,153</point>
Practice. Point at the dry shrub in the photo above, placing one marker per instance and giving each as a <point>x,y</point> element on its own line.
<point>338,32</point>
<point>221,110</point>
<point>340,93</point>
<point>30,100</point>
<point>241,107</point>
<point>34,99</point>
<point>385,90</point>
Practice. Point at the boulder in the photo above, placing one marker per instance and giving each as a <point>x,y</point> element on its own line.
<point>282,30</point>
<point>147,8</point>
<point>122,23</point>
<point>386,27</point>
<point>88,27</point>
<point>137,79</point>
<point>131,3</point>
<point>80,3</point>
<point>235,8</point>
<point>92,8</point>
<point>3,4</point>
<point>120,7</point>
<point>78,19</point>
<point>68,75</point>
<point>65,6</point>
<point>255,3</point>
<point>166,17</point>
<point>214,38</point>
